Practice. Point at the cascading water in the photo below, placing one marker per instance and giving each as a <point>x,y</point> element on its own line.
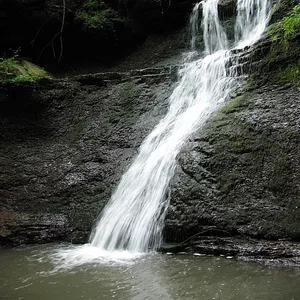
<point>214,35</point>
<point>133,218</point>
<point>251,21</point>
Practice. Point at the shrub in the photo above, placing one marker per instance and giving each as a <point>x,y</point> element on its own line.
<point>97,16</point>
<point>20,72</point>
<point>291,23</point>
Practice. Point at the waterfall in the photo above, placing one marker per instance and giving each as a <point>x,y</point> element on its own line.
<point>133,218</point>
<point>132,221</point>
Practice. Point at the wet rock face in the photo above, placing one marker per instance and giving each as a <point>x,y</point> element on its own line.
<point>238,175</point>
<point>273,253</point>
<point>26,228</point>
<point>60,163</point>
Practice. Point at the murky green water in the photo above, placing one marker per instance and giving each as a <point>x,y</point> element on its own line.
<point>28,274</point>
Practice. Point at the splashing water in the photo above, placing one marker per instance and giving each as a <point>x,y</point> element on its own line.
<point>133,219</point>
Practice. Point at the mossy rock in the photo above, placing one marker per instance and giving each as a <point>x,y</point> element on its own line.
<point>235,104</point>
<point>21,72</point>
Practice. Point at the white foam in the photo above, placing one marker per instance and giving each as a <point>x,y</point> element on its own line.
<point>75,256</point>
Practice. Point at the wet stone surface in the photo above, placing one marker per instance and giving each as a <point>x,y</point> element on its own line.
<point>65,159</point>
<point>239,174</point>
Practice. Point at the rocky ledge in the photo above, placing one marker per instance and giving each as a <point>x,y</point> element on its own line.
<point>271,253</point>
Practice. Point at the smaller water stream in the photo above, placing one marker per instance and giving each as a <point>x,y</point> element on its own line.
<point>28,274</point>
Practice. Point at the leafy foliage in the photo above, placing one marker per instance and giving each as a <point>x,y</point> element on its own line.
<point>283,61</point>
<point>13,71</point>
<point>285,30</point>
<point>96,15</point>
<point>291,23</point>
<point>7,69</point>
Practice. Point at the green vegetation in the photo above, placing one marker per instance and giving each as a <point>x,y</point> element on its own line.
<point>20,72</point>
<point>275,32</point>
<point>291,23</point>
<point>290,74</point>
<point>283,31</point>
<point>285,47</point>
<point>234,104</point>
<point>127,100</point>
<point>8,69</point>
<point>96,15</point>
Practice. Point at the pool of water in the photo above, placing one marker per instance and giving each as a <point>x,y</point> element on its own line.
<point>32,273</point>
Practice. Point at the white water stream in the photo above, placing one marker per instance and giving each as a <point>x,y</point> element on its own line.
<point>133,219</point>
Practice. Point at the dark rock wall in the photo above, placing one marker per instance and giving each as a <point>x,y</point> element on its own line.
<point>239,175</point>
<point>58,165</point>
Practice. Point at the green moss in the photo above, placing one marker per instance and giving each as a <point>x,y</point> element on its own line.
<point>233,105</point>
<point>275,32</point>
<point>97,16</point>
<point>20,72</point>
<point>124,111</point>
<point>127,94</point>
<point>25,79</point>
<point>237,103</point>
<point>279,43</point>
<point>282,60</point>
<point>8,69</point>
<point>290,74</point>
<point>284,30</point>
<point>275,9</point>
